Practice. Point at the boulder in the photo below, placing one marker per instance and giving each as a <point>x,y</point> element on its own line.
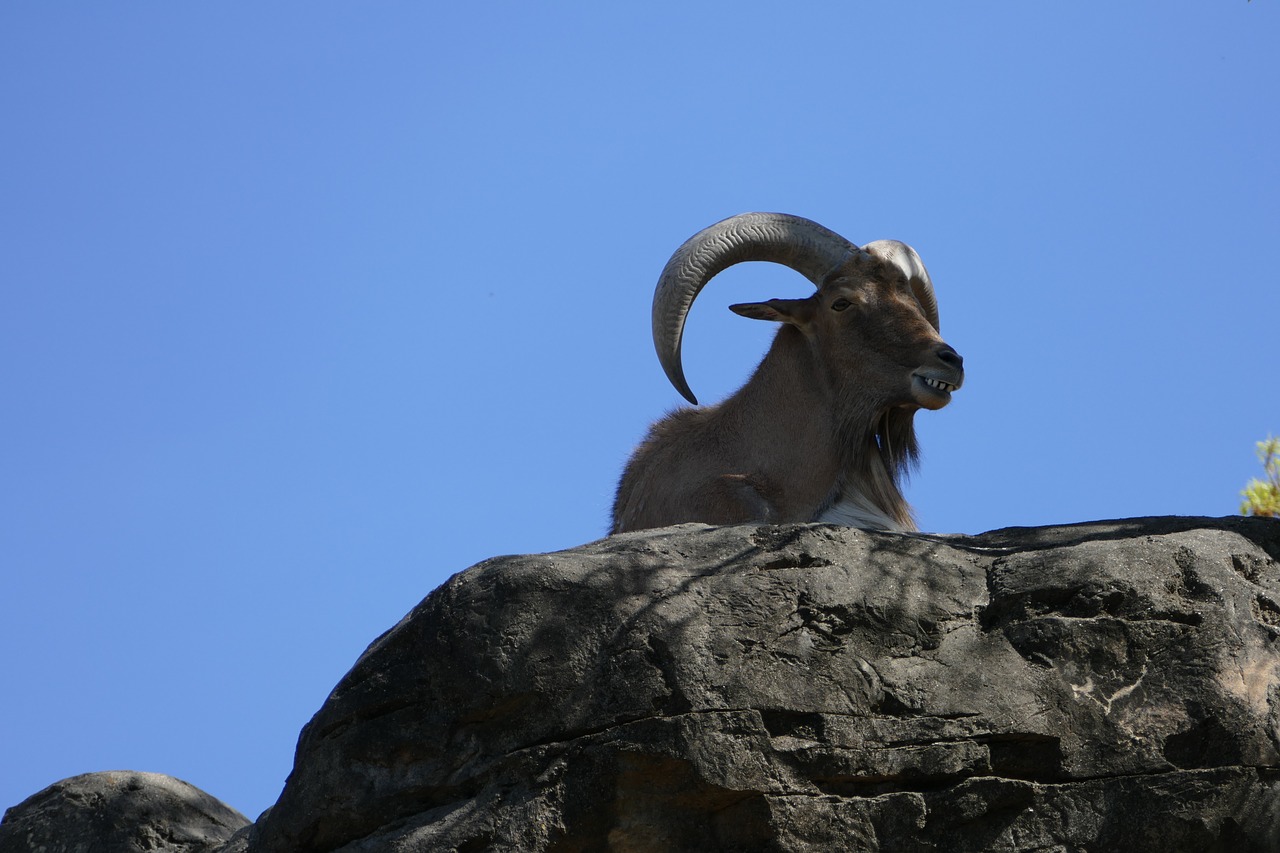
<point>119,812</point>
<point>1105,686</point>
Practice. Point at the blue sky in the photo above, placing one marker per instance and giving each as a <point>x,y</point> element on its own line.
<point>307,306</point>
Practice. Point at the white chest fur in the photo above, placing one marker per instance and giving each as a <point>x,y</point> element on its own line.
<point>854,510</point>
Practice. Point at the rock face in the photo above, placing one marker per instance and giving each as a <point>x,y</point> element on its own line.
<point>1105,686</point>
<point>119,812</point>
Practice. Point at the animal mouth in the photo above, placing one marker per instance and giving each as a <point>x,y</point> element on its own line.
<point>931,392</point>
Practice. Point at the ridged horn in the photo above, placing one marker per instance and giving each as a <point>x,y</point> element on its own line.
<point>780,238</point>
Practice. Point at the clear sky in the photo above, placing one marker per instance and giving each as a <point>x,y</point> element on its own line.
<point>307,306</point>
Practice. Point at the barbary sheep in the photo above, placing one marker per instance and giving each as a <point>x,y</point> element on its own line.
<point>823,430</point>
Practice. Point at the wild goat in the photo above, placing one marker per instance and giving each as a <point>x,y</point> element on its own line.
<point>823,430</point>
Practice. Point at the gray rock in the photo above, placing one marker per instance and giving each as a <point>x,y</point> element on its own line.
<point>119,812</point>
<point>1095,687</point>
<point>1103,686</point>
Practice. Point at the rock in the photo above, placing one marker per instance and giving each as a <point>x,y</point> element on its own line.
<point>1103,686</point>
<point>119,812</point>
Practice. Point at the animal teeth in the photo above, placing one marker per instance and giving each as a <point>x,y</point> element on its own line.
<point>939,384</point>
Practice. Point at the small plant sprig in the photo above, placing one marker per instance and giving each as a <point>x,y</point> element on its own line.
<point>1262,497</point>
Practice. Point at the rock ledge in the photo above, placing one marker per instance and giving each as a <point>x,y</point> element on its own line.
<point>1112,685</point>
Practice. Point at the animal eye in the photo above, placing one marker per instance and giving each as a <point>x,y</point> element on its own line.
<point>840,305</point>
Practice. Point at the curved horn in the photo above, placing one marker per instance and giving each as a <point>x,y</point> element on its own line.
<point>803,245</point>
<point>905,258</point>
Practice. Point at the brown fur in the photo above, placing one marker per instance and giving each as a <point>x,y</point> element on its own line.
<point>827,414</point>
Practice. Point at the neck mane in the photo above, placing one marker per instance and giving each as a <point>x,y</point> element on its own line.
<point>878,452</point>
<point>869,448</point>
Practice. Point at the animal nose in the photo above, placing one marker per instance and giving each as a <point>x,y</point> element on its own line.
<point>950,357</point>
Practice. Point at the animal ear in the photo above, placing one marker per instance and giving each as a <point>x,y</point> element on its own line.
<point>795,311</point>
